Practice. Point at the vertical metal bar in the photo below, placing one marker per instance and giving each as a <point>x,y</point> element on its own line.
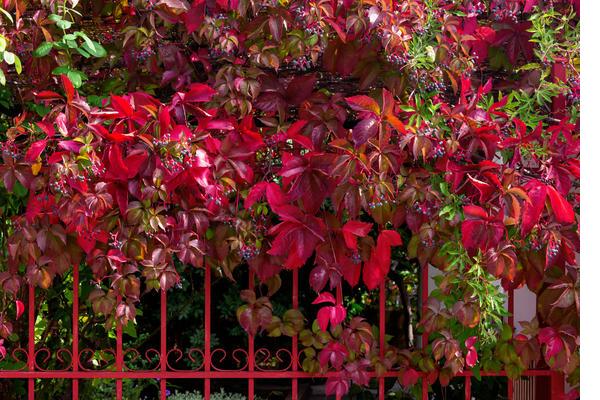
<point>207,355</point>
<point>424,337</point>
<point>424,298</point>
<point>557,384</point>
<point>468,387</point>
<point>119,353</point>
<point>163,342</point>
<point>31,342</point>
<point>511,308</point>
<point>75,322</point>
<point>295,337</point>
<point>251,346</point>
<point>511,323</point>
<point>381,390</point>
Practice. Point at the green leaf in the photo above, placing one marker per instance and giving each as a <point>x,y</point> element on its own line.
<point>85,38</point>
<point>64,24</point>
<point>130,330</point>
<point>72,44</point>
<point>9,57</point>
<point>94,49</point>
<point>84,53</point>
<point>7,14</point>
<point>43,49</point>
<point>54,17</point>
<point>76,78</point>
<point>476,372</point>
<point>63,69</point>
<point>3,43</point>
<point>2,78</point>
<point>18,65</point>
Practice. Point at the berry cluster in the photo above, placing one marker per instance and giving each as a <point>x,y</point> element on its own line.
<point>476,8</point>
<point>502,11</point>
<point>9,150</point>
<point>173,165</point>
<point>114,240</point>
<point>573,95</point>
<point>553,249</point>
<point>314,29</point>
<point>379,203</point>
<point>161,142</point>
<point>438,150</point>
<point>143,54</point>
<point>397,59</point>
<point>435,86</point>
<point>303,63</point>
<point>423,207</point>
<point>248,252</point>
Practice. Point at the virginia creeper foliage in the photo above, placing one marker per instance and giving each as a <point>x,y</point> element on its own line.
<point>276,135</point>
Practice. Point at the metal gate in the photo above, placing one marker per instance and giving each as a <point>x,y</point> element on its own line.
<point>209,368</point>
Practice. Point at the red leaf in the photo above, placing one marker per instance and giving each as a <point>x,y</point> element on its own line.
<point>364,130</point>
<point>378,266</point>
<point>363,103</point>
<point>122,106</point>
<point>324,297</point>
<point>485,189</point>
<point>337,386</point>
<point>323,318</point>
<point>532,210</point>
<point>471,358</point>
<point>47,95</point>
<point>193,18</point>
<point>410,377</point>
<point>337,315</point>
<point>334,353</point>
<point>560,206</point>
<point>318,278</point>
<point>35,150</point>
<point>86,242</point>
<point>20,308</point>
<point>296,237</point>
<point>352,229</point>
<point>199,93</point>
<point>70,145</point>
<point>480,231</point>
<point>351,273</point>
<point>300,88</point>
<point>68,86</point>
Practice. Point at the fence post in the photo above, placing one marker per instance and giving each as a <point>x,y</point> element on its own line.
<point>31,341</point>
<point>163,342</point>
<point>75,322</point>
<point>251,346</point>
<point>424,337</point>
<point>207,354</point>
<point>295,337</point>
<point>119,353</point>
<point>557,384</point>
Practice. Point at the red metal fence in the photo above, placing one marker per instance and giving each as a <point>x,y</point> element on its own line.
<point>210,368</point>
